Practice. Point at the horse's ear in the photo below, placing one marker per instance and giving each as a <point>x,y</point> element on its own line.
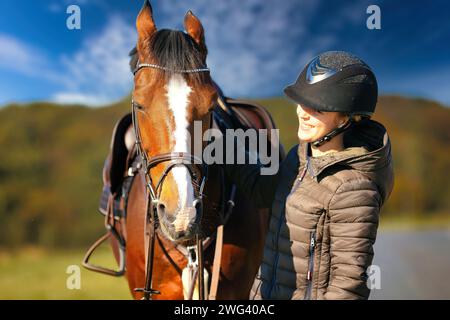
<point>194,28</point>
<point>145,25</point>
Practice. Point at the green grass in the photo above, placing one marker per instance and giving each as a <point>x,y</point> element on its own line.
<point>32,273</point>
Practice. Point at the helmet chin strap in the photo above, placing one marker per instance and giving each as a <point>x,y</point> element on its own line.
<point>333,133</point>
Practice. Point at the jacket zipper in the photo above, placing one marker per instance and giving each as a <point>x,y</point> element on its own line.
<point>309,277</point>
<point>277,254</point>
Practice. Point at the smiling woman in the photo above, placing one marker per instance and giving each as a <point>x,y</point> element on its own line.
<point>331,186</point>
<point>314,124</point>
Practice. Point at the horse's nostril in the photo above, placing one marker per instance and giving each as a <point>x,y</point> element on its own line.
<point>197,205</point>
<point>162,213</point>
<point>161,208</point>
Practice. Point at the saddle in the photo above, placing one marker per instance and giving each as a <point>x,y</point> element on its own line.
<point>121,148</point>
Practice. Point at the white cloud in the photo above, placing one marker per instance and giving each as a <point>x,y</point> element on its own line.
<point>81,98</point>
<point>25,59</point>
<point>254,47</point>
<point>20,57</point>
<point>98,73</point>
<point>252,44</point>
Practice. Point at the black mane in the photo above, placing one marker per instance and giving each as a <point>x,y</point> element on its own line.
<point>174,50</point>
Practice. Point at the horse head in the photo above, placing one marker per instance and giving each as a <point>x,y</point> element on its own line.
<point>172,90</point>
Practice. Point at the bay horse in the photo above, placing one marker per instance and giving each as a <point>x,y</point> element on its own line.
<point>172,89</point>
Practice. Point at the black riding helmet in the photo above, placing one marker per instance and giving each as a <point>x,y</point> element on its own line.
<point>336,81</point>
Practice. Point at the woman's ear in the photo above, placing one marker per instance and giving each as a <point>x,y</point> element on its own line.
<point>345,121</point>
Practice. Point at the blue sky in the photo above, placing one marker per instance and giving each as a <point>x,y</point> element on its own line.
<point>256,47</point>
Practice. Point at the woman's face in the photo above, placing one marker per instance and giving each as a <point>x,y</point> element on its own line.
<point>313,124</point>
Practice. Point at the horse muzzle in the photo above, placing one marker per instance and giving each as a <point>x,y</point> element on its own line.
<point>182,225</point>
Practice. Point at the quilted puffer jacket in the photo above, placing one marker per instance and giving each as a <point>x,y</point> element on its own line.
<point>324,216</point>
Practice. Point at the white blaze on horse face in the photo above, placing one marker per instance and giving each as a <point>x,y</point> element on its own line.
<point>178,97</point>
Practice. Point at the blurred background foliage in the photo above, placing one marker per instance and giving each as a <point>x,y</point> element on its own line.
<point>52,157</point>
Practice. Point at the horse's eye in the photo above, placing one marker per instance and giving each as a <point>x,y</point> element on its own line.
<point>138,107</point>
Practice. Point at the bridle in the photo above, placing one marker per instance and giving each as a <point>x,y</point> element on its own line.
<point>197,169</point>
<point>155,66</point>
<point>198,172</point>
